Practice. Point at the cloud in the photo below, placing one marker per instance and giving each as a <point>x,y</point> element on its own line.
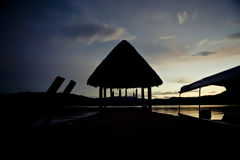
<point>202,42</point>
<point>194,15</point>
<point>204,53</point>
<point>182,17</point>
<point>219,53</point>
<point>234,36</point>
<point>166,37</point>
<point>181,80</point>
<point>233,50</point>
<point>119,34</point>
<point>217,41</point>
<point>164,93</point>
<point>89,33</point>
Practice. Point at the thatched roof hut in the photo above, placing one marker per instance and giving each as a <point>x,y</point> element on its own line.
<point>124,67</point>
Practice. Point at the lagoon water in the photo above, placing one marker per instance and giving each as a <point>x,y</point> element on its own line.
<point>217,111</point>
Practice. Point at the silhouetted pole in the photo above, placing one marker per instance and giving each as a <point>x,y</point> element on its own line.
<point>142,89</point>
<point>179,109</point>
<point>120,93</point>
<point>105,96</point>
<point>69,87</point>
<point>55,85</point>
<point>136,93</point>
<point>100,97</point>
<point>199,102</point>
<point>126,93</point>
<point>150,98</point>
<point>110,92</point>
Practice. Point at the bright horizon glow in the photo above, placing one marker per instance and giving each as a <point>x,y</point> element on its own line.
<point>157,93</point>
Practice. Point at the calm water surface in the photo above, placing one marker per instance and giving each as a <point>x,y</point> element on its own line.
<point>217,111</point>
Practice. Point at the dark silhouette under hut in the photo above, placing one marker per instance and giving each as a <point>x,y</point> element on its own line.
<point>124,68</point>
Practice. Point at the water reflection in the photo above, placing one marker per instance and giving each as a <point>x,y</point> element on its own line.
<point>217,111</point>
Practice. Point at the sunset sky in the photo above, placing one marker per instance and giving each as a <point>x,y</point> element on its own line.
<point>183,40</point>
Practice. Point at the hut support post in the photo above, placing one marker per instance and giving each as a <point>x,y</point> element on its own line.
<point>105,97</point>
<point>125,93</point>
<point>199,102</point>
<point>136,93</point>
<point>149,98</point>
<point>120,93</point>
<point>143,105</point>
<point>100,97</point>
<point>111,93</point>
<point>179,107</point>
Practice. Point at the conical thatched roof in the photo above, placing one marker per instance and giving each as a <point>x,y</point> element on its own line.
<point>124,67</point>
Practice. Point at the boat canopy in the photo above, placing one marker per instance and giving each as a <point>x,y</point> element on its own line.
<point>228,79</point>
